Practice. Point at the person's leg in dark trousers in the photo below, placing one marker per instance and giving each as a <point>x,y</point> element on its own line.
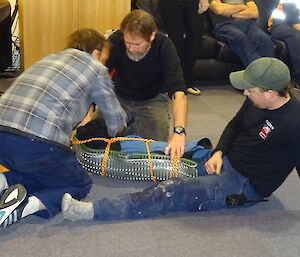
<point>194,30</point>
<point>234,33</point>
<point>46,171</point>
<point>173,23</point>
<point>202,193</point>
<point>262,41</point>
<point>291,37</point>
<point>182,24</point>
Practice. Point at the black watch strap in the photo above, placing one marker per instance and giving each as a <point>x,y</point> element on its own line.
<point>179,130</point>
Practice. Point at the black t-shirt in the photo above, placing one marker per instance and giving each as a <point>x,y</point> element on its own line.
<point>264,145</point>
<point>158,72</point>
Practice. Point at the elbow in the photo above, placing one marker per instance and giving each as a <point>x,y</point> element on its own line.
<point>255,14</point>
<point>218,11</point>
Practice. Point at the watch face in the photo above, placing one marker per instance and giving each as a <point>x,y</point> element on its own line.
<point>179,130</point>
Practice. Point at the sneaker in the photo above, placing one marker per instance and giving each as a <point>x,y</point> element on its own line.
<point>194,91</point>
<point>12,204</point>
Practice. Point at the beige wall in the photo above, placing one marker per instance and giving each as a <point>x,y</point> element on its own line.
<point>45,24</point>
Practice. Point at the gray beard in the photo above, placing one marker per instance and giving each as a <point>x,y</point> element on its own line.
<point>137,57</point>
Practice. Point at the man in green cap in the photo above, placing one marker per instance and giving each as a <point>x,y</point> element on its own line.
<point>257,150</point>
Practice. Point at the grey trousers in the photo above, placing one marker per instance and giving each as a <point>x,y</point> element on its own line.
<point>147,119</point>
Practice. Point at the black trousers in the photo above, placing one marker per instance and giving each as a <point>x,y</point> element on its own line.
<point>183,25</point>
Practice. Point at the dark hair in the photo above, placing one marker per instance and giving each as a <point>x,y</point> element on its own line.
<point>86,40</point>
<point>285,91</point>
<point>281,92</point>
<point>140,23</point>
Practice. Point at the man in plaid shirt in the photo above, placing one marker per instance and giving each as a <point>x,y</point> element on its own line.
<point>37,116</point>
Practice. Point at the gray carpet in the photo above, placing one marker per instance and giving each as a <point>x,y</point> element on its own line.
<point>268,229</point>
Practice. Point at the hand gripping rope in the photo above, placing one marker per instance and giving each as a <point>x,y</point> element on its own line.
<point>132,166</point>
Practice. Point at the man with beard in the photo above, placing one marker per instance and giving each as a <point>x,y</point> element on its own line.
<point>147,74</point>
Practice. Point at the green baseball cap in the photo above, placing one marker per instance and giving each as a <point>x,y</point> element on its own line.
<point>265,73</point>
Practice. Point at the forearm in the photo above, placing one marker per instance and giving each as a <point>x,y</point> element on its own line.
<point>251,12</point>
<point>224,9</point>
<point>296,26</point>
<point>88,117</point>
<point>176,142</point>
<point>225,140</point>
<point>203,6</point>
<point>179,109</point>
<point>232,129</point>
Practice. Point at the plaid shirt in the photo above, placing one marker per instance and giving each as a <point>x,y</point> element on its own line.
<point>49,99</point>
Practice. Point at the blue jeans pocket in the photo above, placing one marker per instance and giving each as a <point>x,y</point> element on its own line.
<point>240,187</point>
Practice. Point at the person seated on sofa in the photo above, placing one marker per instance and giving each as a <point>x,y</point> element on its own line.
<point>235,23</point>
<point>285,26</point>
<point>257,150</point>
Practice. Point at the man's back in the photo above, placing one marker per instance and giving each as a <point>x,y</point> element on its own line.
<point>43,101</point>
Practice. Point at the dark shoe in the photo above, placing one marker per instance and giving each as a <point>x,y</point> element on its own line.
<point>95,129</point>
<point>205,142</point>
<point>12,204</point>
<point>194,91</point>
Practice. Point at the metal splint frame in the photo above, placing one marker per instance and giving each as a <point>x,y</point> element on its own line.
<point>133,166</point>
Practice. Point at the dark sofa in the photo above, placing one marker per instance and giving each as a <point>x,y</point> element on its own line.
<point>215,60</point>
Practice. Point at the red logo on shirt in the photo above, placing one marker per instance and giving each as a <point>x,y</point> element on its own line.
<point>266,130</point>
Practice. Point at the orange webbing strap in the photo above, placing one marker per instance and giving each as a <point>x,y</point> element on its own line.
<point>174,172</point>
<point>3,169</point>
<point>175,169</point>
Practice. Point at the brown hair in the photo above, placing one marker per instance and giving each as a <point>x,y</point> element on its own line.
<point>140,23</point>
<point>86,40</point>
<point>281,92</point>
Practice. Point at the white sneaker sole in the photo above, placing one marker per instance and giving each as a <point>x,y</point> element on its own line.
<point>10,200</point>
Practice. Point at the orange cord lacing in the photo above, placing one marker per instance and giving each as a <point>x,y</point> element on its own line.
<point>109,141</point>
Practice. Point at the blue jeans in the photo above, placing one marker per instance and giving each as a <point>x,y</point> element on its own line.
<point>291,37</point>
<point>46,171</point>
<point>245,39</point>
<point>203,193</point>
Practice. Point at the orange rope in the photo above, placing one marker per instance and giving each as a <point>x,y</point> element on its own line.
<point>3,169</point>
<point>175,170</point>
<point>109,141</point>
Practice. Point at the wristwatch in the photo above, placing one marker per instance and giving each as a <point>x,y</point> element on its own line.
<point>179,130</point>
